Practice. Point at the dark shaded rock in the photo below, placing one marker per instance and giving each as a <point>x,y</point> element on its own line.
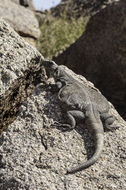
<point>80,7</point>
<point>100,53</point>
<point>12,184</point>
<point>25,3</point>
<point>2,165</point>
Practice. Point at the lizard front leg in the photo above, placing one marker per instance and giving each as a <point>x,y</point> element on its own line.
<point>55,87</point>
<point>71,117</point>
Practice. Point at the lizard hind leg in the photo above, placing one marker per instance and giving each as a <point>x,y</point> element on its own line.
<point>74,115</point>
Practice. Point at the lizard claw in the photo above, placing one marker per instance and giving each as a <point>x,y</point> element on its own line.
<point>112,128</point>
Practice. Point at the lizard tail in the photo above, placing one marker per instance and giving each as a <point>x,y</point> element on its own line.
<point>96,155</point>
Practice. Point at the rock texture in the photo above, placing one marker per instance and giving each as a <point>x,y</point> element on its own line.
<point>80,7</point>
<point>100,53</point>
<point>21,19</point>
<point>34,154</point>
<point>19,71</point>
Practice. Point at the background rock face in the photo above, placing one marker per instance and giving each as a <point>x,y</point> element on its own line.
<point>21,19</point>
<point>34,154</point>
<point>99,54</point>
<point>80,7</point>
<point>19,64</point>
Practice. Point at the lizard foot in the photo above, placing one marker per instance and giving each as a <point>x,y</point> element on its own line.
<point>111,127</point>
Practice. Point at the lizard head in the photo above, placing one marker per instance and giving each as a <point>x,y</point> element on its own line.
<point>51,67</point>
<point>55,71</point>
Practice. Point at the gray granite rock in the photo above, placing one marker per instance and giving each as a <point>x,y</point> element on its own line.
<point>34,154</point>
<point>19,64</point>
<point>21,19</point>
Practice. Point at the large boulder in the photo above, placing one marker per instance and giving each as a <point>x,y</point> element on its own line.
<point>99,54</point>
<point>34,154</point>
<point>19,66</point>
<point>21,19</point>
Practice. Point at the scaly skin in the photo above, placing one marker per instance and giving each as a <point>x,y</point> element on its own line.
<point>81,102</point>
<point>94,123</point>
